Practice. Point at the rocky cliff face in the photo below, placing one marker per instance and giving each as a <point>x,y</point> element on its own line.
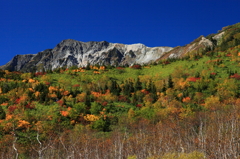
<point>71,52</point>
<point>30,62</point>
<point>76,53</point>
<point>18,62</point>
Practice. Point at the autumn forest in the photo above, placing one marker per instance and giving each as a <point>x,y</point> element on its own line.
<point>184,108</point>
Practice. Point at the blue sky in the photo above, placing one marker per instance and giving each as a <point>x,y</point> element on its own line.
<point>33,26</point>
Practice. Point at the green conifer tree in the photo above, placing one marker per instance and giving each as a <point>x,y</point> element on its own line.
<point>170,82</point>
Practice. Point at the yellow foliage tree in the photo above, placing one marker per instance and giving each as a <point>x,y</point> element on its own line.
<point>131,113</point>
<point>81,97</point>
<point>31,80</point>
<point>37,94</point>
<point>52,89</point>
<point>53,95</point>
<point>26,76</point>
<point>227,89</point>
<point>23,124</point>
<point>65,93</point>
<point>91,117</point>
<point>46,78</point>
<point>110,97</point>
<point>212,103</point>
<point>180,83</point>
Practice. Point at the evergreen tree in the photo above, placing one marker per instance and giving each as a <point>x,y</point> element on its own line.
<point>134,99</point>
<point>88,66</point>
<point>5,87</point>
<point>43,70</point>
<point>95,108</point>
<point>87,101</point>
<point>137,85</point>
<point>126,90</point>
<point>128,87</point>
<point>154,92</point>
<point>170,82</point>
<point>115,88</point>
<point>164,86</point>
<point>2,113</point>
<point>2,74</point>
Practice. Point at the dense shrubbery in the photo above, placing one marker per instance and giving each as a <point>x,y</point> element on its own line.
<point>170,110</point>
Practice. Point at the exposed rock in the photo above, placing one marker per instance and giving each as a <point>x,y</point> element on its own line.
<point>205,42</point>
<point>177,52</point>
<point>76,53</point>
<point>18,62</point>
<point>71,52</point>
<point>218,37</point>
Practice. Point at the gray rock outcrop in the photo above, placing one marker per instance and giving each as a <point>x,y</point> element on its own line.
<point>75,53</point>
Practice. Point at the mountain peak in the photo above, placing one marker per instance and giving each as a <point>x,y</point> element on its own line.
<point>71,52</point>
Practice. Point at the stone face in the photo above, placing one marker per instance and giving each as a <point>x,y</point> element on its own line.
<point>178,52</point>
<point>218,37</point>
<point>76,53</point>
<point>71,52</point>
<point>18,62</point>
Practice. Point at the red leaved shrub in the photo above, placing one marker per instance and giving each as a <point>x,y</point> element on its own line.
<point>136,66</point>
<point>76,85</point>
<point>166,62</point>
<point>30,106</point>
<point>104,103</point>
<point>120,68</point>
<point>60,102</point>
<point>193,79</point>
<point>236,76</point>
<point>122,98</point>
<point>12,108</point>
<point>139,105</point>
<point>39,74</point>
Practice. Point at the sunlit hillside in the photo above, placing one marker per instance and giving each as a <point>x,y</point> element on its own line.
<point>177,108</point>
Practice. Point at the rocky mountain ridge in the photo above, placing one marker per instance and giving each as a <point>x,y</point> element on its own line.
<point>76,53</point>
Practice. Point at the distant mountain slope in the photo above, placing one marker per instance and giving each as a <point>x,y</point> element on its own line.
<point>198,44</point>
<point>226,38</point>
<point>75,53</point>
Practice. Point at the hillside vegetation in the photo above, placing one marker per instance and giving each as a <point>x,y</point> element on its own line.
<point>176,108</point>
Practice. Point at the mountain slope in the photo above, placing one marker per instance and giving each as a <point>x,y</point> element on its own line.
<point>198,44</point>
<point>181,102</point>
